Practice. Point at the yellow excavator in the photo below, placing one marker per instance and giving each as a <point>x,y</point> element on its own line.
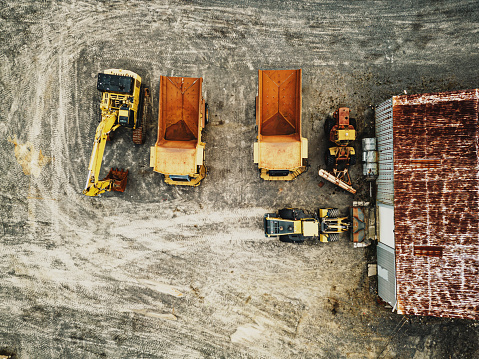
<point>124,102</point>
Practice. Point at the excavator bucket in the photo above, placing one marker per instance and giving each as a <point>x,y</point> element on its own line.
<point>118,179</point>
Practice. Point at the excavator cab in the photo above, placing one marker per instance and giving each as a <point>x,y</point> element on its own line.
<point>126,117</point>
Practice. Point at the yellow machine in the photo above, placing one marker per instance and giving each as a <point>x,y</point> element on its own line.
<point>179,152</point>
<point>124,103</point>
<point>341,130</point>
<point>280,151</point>
<point>295,225</point>
<point>332,224</point>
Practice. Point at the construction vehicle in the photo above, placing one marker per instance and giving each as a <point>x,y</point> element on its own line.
<point>124,102</point>
<point>179,152</point>
<point>341,131</point>
<point>280,151</point>
<point>295,225</point>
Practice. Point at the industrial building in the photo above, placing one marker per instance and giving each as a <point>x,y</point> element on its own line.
<point>428,194</point>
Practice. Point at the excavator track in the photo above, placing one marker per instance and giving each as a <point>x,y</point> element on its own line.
<point>139,134</point>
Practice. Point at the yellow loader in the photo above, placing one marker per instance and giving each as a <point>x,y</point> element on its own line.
<point>295,225</point>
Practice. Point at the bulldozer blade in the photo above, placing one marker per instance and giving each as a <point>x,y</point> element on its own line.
<point>336,181</point>
<point>117,179</point>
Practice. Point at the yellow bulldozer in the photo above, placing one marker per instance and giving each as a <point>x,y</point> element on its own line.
<point>124,102</point>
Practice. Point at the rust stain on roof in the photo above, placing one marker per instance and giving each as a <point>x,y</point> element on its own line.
<point>436,200</point>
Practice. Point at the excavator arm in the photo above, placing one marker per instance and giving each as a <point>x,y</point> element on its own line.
<point>122,104</point>
<point>94,186</point>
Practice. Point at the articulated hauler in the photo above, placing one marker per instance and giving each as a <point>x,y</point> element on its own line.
<point>179,152</point>
<point>280,151</point>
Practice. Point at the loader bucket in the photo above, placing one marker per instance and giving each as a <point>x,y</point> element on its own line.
<point>358,232</point>
<point>118,179</point>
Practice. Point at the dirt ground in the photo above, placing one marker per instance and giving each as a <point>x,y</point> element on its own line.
<point>170,272</point>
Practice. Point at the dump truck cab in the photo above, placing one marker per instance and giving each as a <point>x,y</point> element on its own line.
<point>183,113</point>
<point>280,151</point>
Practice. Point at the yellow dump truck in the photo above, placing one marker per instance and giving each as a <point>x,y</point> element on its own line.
<point>183,113</point>
<point>280,151</point>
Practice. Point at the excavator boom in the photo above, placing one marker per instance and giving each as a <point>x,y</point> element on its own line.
<point>94,186</point>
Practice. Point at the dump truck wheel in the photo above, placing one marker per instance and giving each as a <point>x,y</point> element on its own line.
<point>330,160</point>
<point>333,213</point>
<point>286,213</point>
<point>207,114</point>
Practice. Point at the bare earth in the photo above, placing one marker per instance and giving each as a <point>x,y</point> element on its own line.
<point>170,272</point>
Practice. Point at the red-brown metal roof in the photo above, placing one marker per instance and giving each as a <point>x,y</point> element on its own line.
<point>436,203</point>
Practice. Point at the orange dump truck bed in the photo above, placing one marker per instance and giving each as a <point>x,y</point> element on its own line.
<point>179,152</point>
<point>280,152</point>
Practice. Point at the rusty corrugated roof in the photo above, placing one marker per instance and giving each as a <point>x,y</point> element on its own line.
<point>436,200</point>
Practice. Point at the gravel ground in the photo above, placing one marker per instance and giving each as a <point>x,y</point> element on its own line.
<point>170,272</point>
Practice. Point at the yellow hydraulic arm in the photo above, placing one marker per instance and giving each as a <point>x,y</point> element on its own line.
<point>124,102</point>
<point>94,186</point>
